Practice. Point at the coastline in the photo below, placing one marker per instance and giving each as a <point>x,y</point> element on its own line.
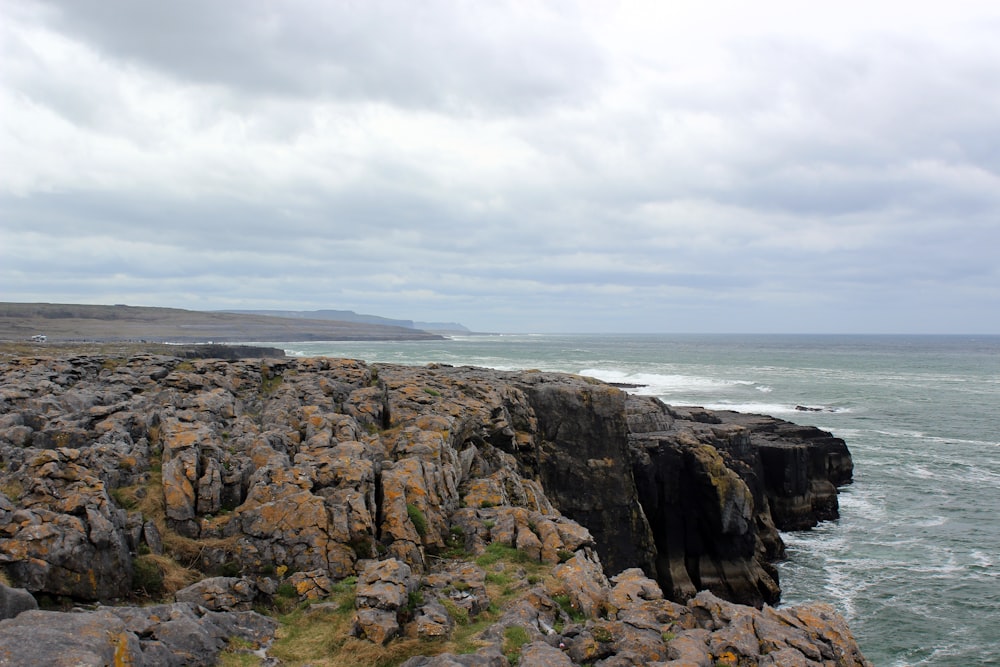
<point>394,401</point>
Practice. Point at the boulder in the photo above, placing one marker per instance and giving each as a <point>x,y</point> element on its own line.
<point>50,638</point>
<point>13,601</point>
<point>582,579</point>
<point>383,590</point>
<point>488,657</point>
<point>220,594</point>
<point>312,585</point>
<point>181,634</point>
<point>431,621</point>
<point>540,654</point>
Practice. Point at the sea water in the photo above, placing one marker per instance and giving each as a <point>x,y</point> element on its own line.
<point>912,562</point>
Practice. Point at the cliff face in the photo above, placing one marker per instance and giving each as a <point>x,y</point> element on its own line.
<point>321,467</point>
<point>710,483</point>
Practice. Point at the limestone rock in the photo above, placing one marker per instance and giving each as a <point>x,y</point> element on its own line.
<point>582,579</point>
<point>383,589</point>
<point>332,468</point>
<point>463,584</point>
<point>220,594</point>
<point>385,585</point>
<point>582,460</point>
<point>312,585</point>
<point>46,638</point>
<point>540,654</point>
<point>489,657</point>
<point>182,634</point>
<point>67,538</point>
<point>431,621</point>
<point>376,625</point>
<point>13,601</point>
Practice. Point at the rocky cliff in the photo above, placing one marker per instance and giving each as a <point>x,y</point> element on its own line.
<point>124,477</point>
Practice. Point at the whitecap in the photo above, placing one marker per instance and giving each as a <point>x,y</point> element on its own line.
<point>754,408</point>
<point>931,522</point>
<point>662,384</point>
<point>981,558</point>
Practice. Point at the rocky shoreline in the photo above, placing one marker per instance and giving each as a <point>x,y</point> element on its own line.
<point>629,531</point>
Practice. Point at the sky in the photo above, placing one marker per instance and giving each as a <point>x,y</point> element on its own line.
<point>663,166</point>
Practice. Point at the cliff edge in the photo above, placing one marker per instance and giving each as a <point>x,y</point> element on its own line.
<point>630,528</point>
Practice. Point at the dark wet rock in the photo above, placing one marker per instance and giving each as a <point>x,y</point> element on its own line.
<point>716,486</point>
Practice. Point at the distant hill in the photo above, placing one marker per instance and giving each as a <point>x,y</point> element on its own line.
<point>76,322</point>
<point>442,327</point>
<point>351,316</point>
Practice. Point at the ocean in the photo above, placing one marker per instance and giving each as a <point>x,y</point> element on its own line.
<point>912,562</point>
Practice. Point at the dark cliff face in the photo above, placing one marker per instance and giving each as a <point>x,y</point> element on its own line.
<point>318,465</point>
<point>583,463</point>
<point>706,508</point>
<point>709,482</point>
<point>801,466</point>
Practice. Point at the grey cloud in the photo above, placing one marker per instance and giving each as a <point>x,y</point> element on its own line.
<point>440,54</point>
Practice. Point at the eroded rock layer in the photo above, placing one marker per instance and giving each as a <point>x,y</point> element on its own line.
<point>330,468</point>
<point>321,463</point>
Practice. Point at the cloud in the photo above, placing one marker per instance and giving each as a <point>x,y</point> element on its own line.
<point>500,56</point>
<point>515,166</point>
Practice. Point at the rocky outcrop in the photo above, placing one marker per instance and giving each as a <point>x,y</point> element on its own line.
<point>709,482</point>
<point>307,471</point>
<point>581,455</point>
<point>177,635</point>
<point>631,623</point>
<point>802,468</point>
<point>220,594</point>
<point>64,536</point>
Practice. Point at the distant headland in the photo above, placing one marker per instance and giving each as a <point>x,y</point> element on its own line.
<point>60,323</point>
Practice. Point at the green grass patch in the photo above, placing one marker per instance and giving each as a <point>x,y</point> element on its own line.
<point>269,385</point>
<point>417,518</point>
<point>566,605</point>
<point>496,552</point>
<point>147,577</point>
<point>459,615</point>
<point>514,637</point>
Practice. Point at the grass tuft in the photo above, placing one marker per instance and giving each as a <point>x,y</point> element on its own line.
<point>417,518</point>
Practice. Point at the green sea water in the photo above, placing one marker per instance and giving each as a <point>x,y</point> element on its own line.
<point>912,562</point>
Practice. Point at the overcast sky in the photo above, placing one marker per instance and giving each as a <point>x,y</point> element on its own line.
<point>661,166</point>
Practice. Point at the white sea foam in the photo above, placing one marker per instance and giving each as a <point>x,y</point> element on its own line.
<point>983,559</point>
<point>843,587</point>
<point>773,409</point>
<point>753,408</point>
<point>664,384</point>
